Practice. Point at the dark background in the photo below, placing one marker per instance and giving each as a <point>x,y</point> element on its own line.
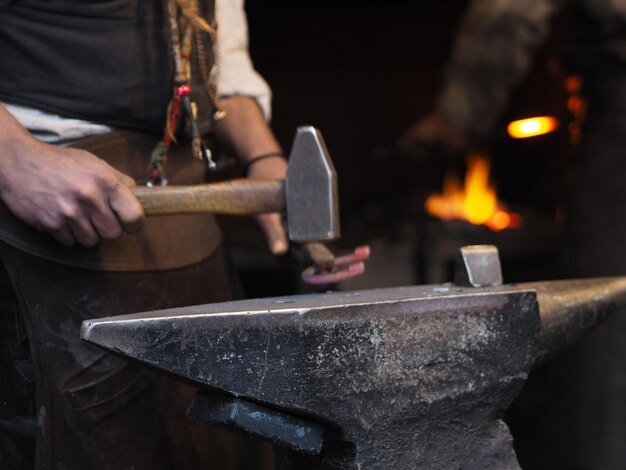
<point>362,72</point>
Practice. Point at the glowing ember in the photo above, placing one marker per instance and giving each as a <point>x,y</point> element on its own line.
<point>532,127</point>
<point>476,203</point>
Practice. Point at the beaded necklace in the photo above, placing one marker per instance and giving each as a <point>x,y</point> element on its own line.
<point>186,29</point>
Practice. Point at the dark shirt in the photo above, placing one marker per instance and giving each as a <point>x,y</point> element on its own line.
<point>105,61</point>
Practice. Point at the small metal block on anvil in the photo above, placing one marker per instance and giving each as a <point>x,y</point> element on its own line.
<point>408,377</point>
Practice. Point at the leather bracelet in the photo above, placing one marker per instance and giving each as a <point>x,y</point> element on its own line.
<point>252,161</point>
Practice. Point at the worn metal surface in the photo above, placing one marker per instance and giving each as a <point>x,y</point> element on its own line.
<point>311,189</point>
<point>411,377</point>
<point>282,428</point>
<point>406,374</point>
<point>478,266</point>
<point>569,309</point>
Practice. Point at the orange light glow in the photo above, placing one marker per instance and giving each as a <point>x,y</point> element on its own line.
<point>532,127</point>
<point>476,202</point>
<point>573,84</point>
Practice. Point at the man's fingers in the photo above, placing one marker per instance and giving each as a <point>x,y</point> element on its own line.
<point>125,179</point>
<point>106,223</point>
<point>84,232</point>
<point>127,209</point>
<point>70,224</point>
<point>274,233</point>
<point>64,236</point>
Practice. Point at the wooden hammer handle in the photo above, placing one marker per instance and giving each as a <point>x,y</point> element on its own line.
<point>236,197</point>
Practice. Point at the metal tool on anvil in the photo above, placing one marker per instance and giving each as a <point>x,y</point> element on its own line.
<point>405,378</point>
<point>308,195</point>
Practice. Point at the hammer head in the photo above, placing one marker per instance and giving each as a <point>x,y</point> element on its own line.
<point>311,189</point>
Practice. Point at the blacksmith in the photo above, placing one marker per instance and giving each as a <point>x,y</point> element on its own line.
<point>99,96</point>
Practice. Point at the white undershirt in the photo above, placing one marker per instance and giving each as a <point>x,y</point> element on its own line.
<point>235,76</point>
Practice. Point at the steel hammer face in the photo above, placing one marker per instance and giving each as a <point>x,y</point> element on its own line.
<point>311,189</point>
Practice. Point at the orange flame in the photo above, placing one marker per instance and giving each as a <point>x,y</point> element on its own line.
<point>477,202</point>
<point>532,127</point>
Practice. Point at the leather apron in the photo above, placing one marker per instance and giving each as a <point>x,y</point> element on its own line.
<point>94,410</point>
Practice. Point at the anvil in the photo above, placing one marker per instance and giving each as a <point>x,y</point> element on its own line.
<point>408,377</point>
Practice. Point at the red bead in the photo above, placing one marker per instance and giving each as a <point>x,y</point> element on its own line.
<point>183,90</point>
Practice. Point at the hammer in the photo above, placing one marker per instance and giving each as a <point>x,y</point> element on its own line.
<point>308,195</point>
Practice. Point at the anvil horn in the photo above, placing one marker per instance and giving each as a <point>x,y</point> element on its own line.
<point>569,309</point>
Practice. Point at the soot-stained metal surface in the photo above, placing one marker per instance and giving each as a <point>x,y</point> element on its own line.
<point>410,377</point>
<point>282,428</point>
<point>407,374</point>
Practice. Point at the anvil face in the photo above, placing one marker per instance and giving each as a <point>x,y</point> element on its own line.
<point>371,362</point>
<point>274,348</point>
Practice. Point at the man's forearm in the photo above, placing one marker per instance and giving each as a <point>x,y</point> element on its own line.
<point>12,136</point>
<point>244,129</point>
